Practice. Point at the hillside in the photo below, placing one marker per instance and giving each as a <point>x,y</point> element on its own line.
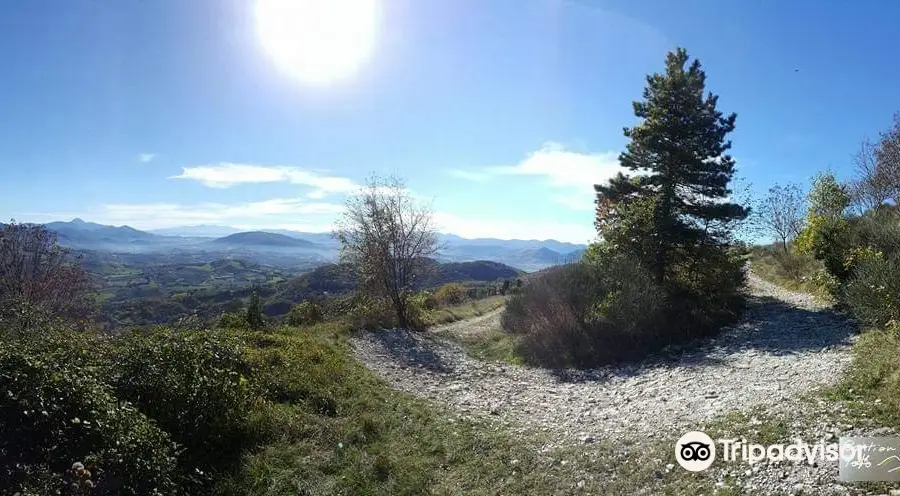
<point>339,278</point>
<point>261,239</point>
<point>79,232</point>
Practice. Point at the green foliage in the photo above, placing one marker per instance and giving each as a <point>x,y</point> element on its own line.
<point>304,313</point>
<point>451,294</point>
<point>604,309</point>
<point>231,320</point>
<point>828,197</point>
<point>669,214</point>
<point>372,313</point>
<point>874,291</point>
<point>826,239</point>
<point>255,318</point>
<point>827,232</point>
<point>57,411</point>
<point>193,385</point>
<point>672,221</point>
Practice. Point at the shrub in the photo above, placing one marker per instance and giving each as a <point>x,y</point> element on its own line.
<point>370,312</point>
<point>427,300</point>
<point>418,308</point>
<point>304,313</point>
<point>56,411</point>
<point>601,310</point>
<point>704,296</point>
<point>873,293</point>
<point>193,385</point>
<point>794,265</point>
<point>827,239</point>
<point>231,320</point>
<point>451,294</point>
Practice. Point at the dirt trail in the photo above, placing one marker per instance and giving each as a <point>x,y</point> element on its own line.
<point>786,344</point>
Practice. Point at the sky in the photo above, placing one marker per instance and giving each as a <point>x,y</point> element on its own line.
<point>500,114</point>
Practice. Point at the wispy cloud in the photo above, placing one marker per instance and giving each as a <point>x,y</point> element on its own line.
<point>146,158</point>
<point>226,175</point>
<point>572,174</point>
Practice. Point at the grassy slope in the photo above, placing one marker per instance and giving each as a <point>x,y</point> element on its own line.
<point>371,439</point>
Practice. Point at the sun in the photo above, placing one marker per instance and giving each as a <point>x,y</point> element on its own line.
<point>317,41</point>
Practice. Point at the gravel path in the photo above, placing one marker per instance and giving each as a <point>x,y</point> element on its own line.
<point>786,344</point>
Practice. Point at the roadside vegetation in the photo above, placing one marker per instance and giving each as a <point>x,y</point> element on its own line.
<point>847,246</point>
<point>228,409</point>
<point>668,269</point>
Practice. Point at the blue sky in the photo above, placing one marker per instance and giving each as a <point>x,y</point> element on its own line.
<point>501,112</point>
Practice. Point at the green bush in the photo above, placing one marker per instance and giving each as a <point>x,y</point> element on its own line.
<point>451,294</point>
<point>879,229</point>
<point>418,307</point>
<point>193,384</point>
<point>827,239</point>
<point>873,293</point>
<point>427,300</point>
<point>703,297</point>
<point>601,310</point>
<point>231,320</point>
<point>372,313</point>
<point>56,411</point>
<point>304,313</point>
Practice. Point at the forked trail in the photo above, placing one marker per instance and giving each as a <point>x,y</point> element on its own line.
<point>786,344</point>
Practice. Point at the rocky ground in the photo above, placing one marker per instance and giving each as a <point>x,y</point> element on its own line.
<point>787,345</point>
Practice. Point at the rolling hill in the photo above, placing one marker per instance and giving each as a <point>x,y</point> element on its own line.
<point>262,239</point>
<point>340,278</point>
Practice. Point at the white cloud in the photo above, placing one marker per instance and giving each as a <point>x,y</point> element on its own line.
<point>145,158</point>
<point>512,229</point>
<point>573,173</point>
<point>564,168</point>
<point>226,175</point>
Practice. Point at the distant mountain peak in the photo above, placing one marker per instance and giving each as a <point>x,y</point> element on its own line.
<point>78,220</point>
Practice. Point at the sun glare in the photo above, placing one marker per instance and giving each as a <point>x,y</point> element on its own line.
<point>317,41</point>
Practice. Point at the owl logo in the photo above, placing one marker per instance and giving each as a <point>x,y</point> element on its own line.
<point>695,451</point>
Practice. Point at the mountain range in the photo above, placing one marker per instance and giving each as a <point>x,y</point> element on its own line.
<point>289,248</point>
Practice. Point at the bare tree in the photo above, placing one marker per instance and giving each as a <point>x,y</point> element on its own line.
<point>386,235</point>
<point>888,156</point>
<point>782,212</point>
<point>39,281</point>
<point>872,185</point>
<point>878,170</point>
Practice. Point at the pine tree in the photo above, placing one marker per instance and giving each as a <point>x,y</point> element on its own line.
<point>674,211</point>
<point>255,317</point>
